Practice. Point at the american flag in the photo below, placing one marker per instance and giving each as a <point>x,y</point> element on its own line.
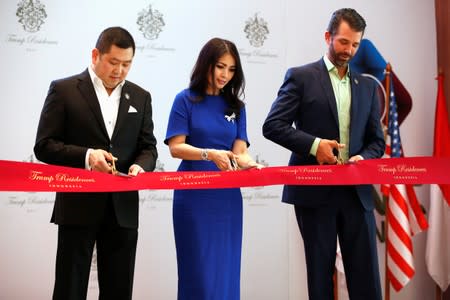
<point>404,213</point>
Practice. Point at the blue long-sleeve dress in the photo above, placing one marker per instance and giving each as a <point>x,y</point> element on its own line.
<point>207,222</point>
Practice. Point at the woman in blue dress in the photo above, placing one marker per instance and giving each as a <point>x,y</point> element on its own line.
<point>207,130</point>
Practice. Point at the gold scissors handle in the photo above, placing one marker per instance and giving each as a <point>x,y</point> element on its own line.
<point>340,159</point>
<point>113,165</point>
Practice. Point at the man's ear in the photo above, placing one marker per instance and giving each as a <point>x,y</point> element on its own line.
<point>95,54</point>
<point>328,37</point>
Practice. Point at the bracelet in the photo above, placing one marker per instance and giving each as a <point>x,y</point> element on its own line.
<point>204,154</point>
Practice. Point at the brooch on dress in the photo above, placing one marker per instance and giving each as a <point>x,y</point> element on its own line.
<point>231,117</point>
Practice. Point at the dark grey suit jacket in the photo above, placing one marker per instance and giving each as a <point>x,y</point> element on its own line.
<point>306,99</point>
<point>71,122</point>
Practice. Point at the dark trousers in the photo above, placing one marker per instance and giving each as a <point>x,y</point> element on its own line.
<point>343,217</point>
<point>116,252</point>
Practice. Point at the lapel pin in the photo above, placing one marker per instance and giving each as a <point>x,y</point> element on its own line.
<point>356,81</point>
<point>127,96</point>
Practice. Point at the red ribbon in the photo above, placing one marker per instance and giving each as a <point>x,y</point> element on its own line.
<point>34,177</point>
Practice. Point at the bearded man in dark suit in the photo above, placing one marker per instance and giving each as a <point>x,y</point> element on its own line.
<point>98,121</point>
<point>334,110</point>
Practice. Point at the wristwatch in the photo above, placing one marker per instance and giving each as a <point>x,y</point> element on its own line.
<point>204,154</point>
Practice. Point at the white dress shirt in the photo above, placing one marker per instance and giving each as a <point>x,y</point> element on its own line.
<point>109,105</point>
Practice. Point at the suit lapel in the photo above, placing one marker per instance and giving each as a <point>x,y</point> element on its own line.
<point>328,90</point>
<point>355,98</point>
<point>124,105</point>
<point>88,92</point>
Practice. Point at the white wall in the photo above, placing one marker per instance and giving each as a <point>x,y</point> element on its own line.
<point>273,264</point>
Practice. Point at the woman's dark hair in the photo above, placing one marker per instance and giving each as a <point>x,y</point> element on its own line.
<point>210,54</point>
<point>116,36</point>
<point>349,15</point>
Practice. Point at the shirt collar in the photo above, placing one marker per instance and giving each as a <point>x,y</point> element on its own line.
<point>332,68</point>
<point>97,81</point>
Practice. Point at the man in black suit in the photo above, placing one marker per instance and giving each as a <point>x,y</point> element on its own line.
<point>334,110</point>
<point>96,120</point>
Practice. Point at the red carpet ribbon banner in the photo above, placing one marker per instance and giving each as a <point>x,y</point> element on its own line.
<point>35,177</point>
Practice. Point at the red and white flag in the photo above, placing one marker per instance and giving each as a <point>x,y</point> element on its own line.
<point>437,254</point>
<point>405,219</point>
<point>404,213</point>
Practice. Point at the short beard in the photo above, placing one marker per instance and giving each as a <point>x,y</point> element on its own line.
<point>334,58</point>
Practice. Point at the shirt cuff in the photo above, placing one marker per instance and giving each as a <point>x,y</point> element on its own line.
<point>314,146</point>
<point>86,160</point>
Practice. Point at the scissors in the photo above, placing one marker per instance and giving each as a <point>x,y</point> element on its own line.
<point>234,164</point>
<point>114,170</point>
<point>113,165</point>
<point>339,158</point>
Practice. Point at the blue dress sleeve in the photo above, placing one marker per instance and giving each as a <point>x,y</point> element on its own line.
<point>242,126</point>
<point>178,123</point>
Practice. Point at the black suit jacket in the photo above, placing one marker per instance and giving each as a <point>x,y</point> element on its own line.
<point>306,99</point>
<point>71,122</point>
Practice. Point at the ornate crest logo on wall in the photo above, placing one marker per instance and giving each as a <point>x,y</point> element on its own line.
<point>256,30</point>
<point>31,15</point>
<point>159,167</point>
<point>260,196</point>
<point>263,162</point>
<point>150,23</point>
<point>152,200</point>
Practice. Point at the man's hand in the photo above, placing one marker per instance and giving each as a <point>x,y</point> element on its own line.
<point>101,161</point>
<point>135,169</point>
<point>355,159</point>
<point>325,153</point>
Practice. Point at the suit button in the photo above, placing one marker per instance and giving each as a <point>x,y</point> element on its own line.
<point>110,146</point>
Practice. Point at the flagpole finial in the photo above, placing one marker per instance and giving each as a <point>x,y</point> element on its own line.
<point>388,68</point>
<point>387,88</point>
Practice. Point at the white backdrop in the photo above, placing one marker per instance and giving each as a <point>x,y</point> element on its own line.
<point>273,264</point>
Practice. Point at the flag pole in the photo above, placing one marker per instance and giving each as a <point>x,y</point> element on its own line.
<point>438,292</point>
<point>335,284</point>
<point>387,87</point>
<point>387,292</point>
